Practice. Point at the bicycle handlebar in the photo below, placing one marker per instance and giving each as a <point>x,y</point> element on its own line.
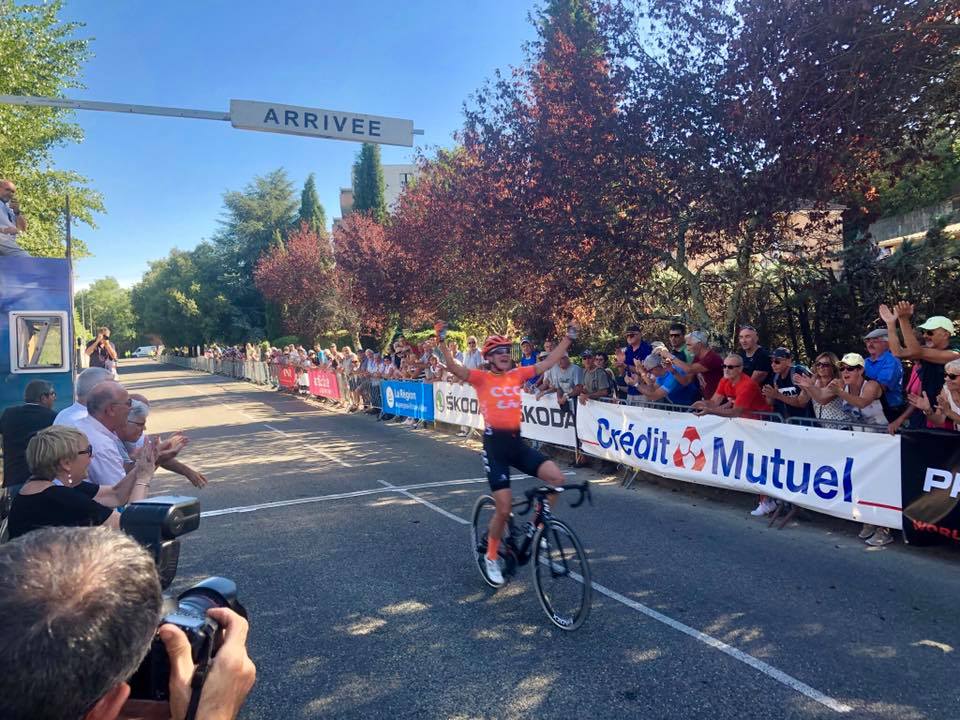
<point>544,490</point>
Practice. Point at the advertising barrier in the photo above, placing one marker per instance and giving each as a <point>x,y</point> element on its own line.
<point>457,404</point>
<point>323,383</point>
<point>546,421</point>
<point>410,399</point>
<point>543,419</point>
<point>850,475</point>
<point>287,376</point>
<point>931,486</point>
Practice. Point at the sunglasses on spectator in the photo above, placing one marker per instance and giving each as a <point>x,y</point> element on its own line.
<point>825,364</point>
<point>952,376</point>
<point>845,368</point>
<point>499,351</point>
<point>88,451</point>
<point>471,342</point>
<point>732,367</point>
<point>928,333</point>
<point>631,334</point>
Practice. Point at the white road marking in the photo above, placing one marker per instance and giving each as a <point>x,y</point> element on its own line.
<point>765,668</point>
<point>322,453</point>
<point>341,496</point>
<point>417,498</point>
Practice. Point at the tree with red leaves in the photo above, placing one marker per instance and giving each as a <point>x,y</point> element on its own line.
<point>298,276</point>
<point>383,280</point>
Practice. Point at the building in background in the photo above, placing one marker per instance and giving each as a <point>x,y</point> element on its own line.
<point>396,178</point>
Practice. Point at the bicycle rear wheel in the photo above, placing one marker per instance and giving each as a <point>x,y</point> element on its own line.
<point>561,575</point>
<point>483,510</point>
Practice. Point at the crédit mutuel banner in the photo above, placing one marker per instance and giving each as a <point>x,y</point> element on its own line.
<point>543,419</point>
<point>850,475</point>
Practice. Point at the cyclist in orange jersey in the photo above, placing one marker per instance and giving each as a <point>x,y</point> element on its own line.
<point>499,392</point>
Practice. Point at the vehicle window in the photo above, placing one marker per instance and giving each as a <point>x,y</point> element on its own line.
<point>39,341</point>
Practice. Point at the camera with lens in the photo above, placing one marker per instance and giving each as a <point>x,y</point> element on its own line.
<point>157,523</point>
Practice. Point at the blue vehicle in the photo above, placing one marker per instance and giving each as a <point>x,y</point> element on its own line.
<point>36,328</point>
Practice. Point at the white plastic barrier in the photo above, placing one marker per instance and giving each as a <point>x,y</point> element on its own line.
<point>850,475</point>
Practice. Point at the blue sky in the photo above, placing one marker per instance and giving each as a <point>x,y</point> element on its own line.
<point>163,178</point>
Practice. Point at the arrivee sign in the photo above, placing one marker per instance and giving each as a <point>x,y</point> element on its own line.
<point>313,122</point>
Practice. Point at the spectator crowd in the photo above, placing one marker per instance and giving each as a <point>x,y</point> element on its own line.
<point>902,376</point>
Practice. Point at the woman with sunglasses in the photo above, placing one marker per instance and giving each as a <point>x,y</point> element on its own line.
<point>499,391</point>
<point>827,405</point>
<point>860,398</point>
<point>55,494</point>
<point>860,401</point>
<point>945,412</point>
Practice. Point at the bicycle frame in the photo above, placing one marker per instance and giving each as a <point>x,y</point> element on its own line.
<point>536,499</point>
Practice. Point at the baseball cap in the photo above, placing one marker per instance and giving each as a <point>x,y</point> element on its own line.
<point>587,353</point>
<point>781,352</point>
<point>541,355</point>
<point>852,360</point>
<point>878,334</point>
<point>633,328</point>
<point>526,340</point>
<point>938,322</point>
<point>653,360</point>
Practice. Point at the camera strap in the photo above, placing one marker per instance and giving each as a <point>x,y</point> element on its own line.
<point>199,676</point>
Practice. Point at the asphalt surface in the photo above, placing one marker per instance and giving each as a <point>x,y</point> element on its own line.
<point>370,605</point>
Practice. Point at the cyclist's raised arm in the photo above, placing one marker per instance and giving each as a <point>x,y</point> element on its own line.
<point>451,362</point>
<point>558,352</point>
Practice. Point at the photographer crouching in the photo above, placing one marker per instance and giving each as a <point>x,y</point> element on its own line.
<point>79,609</point>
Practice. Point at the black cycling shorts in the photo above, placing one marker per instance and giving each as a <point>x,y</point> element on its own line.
<point>503,448</point>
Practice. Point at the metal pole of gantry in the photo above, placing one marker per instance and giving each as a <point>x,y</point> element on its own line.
<point>260,116</point>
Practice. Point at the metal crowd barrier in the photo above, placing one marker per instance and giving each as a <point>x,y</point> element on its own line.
<point>254,371</point>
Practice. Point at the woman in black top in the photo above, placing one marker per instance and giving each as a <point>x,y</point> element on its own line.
<point>61,453</point>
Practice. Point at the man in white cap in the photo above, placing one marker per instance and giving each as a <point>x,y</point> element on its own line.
<point>882,366</point>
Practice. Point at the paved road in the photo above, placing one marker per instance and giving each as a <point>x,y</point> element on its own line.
<point>364,602</point>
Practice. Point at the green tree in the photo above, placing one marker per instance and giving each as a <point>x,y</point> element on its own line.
<point>41,55</point>
<point>369,187</point>
<point>311,211</point>
<point>106,303</point>
<point>253,220</point>
<point>180,301</point>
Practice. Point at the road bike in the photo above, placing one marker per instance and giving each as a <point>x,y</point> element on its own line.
<point>561,574</point>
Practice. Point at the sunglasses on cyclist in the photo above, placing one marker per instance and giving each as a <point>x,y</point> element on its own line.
<point>499,351</point>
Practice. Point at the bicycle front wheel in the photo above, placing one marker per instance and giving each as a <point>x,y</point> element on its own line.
<point>483,510</point>
<point>561,575</point>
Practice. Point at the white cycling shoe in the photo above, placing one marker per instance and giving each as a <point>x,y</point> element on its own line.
<point>493,571</point>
